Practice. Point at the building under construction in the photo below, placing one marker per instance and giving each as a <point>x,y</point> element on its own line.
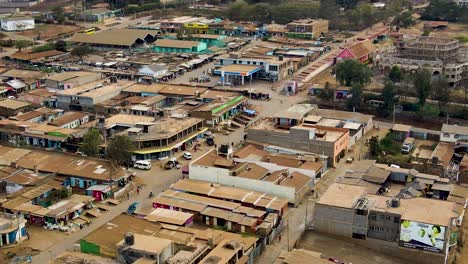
<point>441,56</point>
<point>430,48</point>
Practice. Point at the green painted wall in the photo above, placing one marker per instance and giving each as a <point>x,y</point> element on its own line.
<point>89,248</point>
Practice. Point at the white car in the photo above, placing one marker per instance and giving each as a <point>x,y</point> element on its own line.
<point>187,155</point>
<point>142,164</point>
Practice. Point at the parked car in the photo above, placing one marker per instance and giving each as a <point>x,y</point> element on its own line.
<point>171,164</point>
<point>187,155</point>
<point>132,208</point>
<point>210,141</point>
<point>142,165</point>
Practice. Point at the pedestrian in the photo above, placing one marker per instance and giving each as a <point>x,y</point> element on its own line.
<point>279,237</point>
<point>27,234</point>
<point>138,190</point>
<point>128,196</point>
<point>81,226</point>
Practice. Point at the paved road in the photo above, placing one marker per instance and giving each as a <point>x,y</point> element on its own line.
<point>155,180</point>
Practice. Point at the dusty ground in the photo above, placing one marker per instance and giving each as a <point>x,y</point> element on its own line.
<point>14,254</point>
<point>45,31</point>
<point>344,251</point>
<point>453,30</point>
<point>69,257</point>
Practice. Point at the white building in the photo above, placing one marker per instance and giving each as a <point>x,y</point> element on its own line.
<point>453,133</point>
<point>17,22</point>
<point>463,3</point>
<point>153,70</point>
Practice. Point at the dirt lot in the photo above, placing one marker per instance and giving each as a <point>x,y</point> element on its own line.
<point>453,30</point>
<point>343,250</point>
<point>77,258</point>
<point>47,31</point>
<point>16,254</point>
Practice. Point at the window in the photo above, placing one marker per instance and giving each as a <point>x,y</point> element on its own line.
<point>373,216</point>
<point>382,217</point>
<point>273,68</point>
<point>396,219</point>
<point>446,135</point>
<point>359,236</point>
<point>387,217</point>
<point>361,212</point>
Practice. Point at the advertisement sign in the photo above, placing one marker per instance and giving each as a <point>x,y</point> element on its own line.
<point>422,236</point>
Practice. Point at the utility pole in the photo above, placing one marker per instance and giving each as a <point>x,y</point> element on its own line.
<point>393,113</point>
<point>287,232</point>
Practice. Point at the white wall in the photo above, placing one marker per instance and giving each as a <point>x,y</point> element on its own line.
<point>448,137</point>
<point>17,25</point>
<point>145,70</point>
<point>221,176</point>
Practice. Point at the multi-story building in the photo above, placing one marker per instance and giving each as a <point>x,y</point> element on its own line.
<point>307,28</point>
<point>462,3</point>
<point>441,56</point>
<point>252,168</point>
<point>85,97</point>
<point>177,24</point>
<point>417,228</point>
<point>270,67</point>
<point>155,138</point>
<point>67,80</point>
<point>287,129</point>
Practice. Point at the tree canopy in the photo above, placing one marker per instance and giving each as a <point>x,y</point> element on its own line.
<point>422,85</point>
<point>388,95</point>
<point>404,19</point>
<point>326,94</point>
<point>445,10</point>
<point>395,74</point>
<point>21,44</point>
<point>441,91</point>
<point>350,72</point>
<point>267,11</point>
<point>81,51</point>
<point>91,142</point>
<point>120,149</point>
<point>355,101</point>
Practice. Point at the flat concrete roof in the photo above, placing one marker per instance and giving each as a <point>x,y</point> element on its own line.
<point>342,195</point>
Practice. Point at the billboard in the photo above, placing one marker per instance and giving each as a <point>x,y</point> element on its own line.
<point>422,236</point>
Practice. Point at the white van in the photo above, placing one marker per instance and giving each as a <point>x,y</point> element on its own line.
<point>408,145</point>
<point>142,164</point>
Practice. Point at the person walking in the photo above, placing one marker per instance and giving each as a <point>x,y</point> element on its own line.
<point>128,196</point>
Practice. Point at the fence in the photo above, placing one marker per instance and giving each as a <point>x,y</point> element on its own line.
<point>89,248</point>
<point>275,232</point>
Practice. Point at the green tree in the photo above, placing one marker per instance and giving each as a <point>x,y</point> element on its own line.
<point>422,85</point>
<point>239,10</point>
<point>445,10</point>
<point>350,72</point>
<point>395,74</point>
<point>355,101</point>
<point>61,45</point>
<point>81,51</point>
<point>91,142</point>
<point>388,95</point>
<point>441,92</point>
<point>59,14</point>
<point>328,9</point>
<point>326,94</point>
<point>404,19</point>
<point>428,112</point>
<point>374,147</point>
<point>120,149</point>
<point>21,44</point>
